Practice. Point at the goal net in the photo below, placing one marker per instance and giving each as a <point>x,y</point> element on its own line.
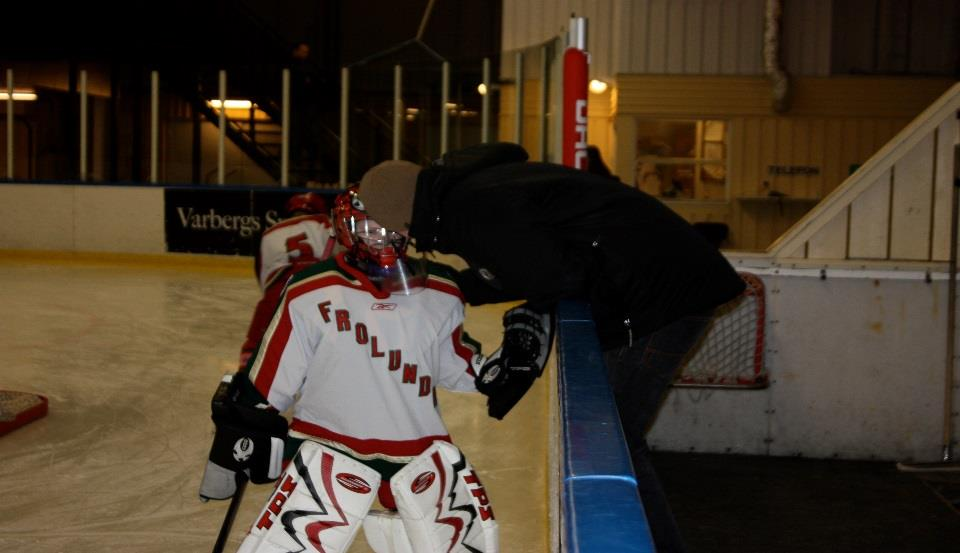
<point>731,351</point>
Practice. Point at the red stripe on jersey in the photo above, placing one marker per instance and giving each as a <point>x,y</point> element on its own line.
<point>277,277</point>
<point>328,249</point>
<point>462,350</point>
<point>369,446</point>
<point>276,342</point>
<point>275,345</point>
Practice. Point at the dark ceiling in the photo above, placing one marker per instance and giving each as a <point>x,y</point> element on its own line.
<point>249,31</point>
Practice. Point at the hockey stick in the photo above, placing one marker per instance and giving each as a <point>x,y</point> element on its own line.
<point>231,514</point>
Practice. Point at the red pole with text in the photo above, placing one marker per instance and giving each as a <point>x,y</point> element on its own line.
<point>576,64</point>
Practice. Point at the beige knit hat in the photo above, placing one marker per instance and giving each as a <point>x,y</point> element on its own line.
<point>387,192</point>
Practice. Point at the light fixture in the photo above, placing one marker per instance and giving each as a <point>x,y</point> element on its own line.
<point>482,89</point>
<point>231,104</point>
<point>597,86</point>
<point>23,95</point>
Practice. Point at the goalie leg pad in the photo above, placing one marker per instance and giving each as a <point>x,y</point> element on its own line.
<point>443,505</point>
<point>385,532</point>
<point>318,505</point>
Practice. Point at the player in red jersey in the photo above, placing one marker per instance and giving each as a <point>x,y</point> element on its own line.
<point>303,238</point>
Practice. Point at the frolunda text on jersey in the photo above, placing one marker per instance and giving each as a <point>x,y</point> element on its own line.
<point>341,317</point>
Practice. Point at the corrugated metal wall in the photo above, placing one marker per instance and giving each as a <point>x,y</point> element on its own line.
<point>895,36</point>
<point>677,37</point>
<point>725,37</point>
<point>806,37</point>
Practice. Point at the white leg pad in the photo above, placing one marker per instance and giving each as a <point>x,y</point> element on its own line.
<point>318,505</point>
<point>443,505</point>
<point>385,533</point>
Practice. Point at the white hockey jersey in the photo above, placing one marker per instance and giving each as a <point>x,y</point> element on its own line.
<point>360,366</point>
<point>303,240</point>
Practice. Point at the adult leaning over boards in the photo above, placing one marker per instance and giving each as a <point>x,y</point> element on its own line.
<point>542,232</point>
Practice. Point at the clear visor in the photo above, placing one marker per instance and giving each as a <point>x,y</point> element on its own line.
<point>404,278</point>
<point>383,257</point>
<point>375,237</point>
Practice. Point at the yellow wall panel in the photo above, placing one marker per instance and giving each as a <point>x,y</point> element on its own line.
<point>816,156</point>
<point>869,222</point>
<point>946,138</point>
<point>869,97</point>
<point>911,206</point>
<point>735,154</point>
<point>784,155</point>
<point>831,241</point>
<point>834,170</point>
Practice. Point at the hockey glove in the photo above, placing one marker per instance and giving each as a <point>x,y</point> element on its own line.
<point>507,374</point>
<point>248,441</point>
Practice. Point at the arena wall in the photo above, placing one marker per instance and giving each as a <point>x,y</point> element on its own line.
<point>855,352</point>
<point>64,217</point>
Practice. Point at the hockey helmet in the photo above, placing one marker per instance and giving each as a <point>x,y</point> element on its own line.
<point>379,252</point>
<point>308,202</point>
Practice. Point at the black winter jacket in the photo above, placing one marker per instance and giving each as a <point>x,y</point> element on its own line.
<point>542,232</point>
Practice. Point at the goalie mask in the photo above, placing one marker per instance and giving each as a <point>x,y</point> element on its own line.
<point>379,252</point>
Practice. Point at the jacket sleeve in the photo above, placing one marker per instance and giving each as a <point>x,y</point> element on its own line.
<point>478,292</point>
<point>528,262</point>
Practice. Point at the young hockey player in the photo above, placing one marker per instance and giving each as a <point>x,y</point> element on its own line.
<point>356,349</point>
<point>303,238</point>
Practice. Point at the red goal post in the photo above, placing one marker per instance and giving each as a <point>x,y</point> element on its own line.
<point>730,355</point>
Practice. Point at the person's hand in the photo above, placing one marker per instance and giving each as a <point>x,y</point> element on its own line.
<point>247,440</point>
<point>505,376</point>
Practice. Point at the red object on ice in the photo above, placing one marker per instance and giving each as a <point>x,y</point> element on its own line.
<point>20,408</point>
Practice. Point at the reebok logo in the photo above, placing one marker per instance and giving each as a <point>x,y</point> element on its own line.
<point>383,307</point>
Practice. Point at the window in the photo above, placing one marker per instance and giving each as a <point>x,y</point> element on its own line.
<point>682,159</point>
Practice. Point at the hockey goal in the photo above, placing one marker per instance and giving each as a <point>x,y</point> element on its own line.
<point>730,355</point>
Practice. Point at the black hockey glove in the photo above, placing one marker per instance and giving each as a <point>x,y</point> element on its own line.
<point>248,443</point>
<point>507,374</point>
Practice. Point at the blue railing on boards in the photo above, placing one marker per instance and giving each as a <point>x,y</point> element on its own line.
<point>600,506</point>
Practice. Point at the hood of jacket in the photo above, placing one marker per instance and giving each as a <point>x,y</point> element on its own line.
<point>434,182</point>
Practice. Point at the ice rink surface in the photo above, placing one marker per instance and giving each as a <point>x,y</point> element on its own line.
<point>129,355</point>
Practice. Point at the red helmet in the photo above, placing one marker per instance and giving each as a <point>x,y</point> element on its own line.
<point>381,253</point>
<point>308,202</point>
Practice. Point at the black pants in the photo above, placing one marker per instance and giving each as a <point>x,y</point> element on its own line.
<point>640,374</point>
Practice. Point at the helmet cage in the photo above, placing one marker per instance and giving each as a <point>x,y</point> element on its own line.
<point>379,252</point>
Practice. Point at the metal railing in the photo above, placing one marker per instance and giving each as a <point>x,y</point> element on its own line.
<point>265,140</point>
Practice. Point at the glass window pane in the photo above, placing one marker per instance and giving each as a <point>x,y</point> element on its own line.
<point>713,131</point>
<point>681,159</point>
<point>676,139</point>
